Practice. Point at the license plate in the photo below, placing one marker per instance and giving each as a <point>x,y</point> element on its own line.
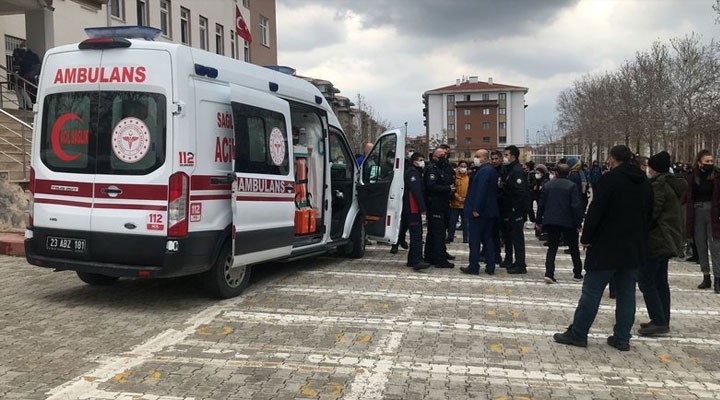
<point>66,244</point>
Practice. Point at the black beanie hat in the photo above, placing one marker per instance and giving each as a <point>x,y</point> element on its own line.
<point>660,162</point>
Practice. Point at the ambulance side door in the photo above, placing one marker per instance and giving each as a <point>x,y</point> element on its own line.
<point>380,190</point>
<point>263,191</point>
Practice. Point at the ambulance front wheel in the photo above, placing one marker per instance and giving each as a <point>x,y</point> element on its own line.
<point>96,279</point>
<point>222,280</point>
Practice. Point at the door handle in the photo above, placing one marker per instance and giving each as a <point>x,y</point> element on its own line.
<point>226,180</point>
<point>112,191</point>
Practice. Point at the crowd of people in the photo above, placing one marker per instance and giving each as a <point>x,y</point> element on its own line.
<point>631,215</point>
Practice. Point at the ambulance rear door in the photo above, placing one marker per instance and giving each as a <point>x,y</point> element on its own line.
<point>381,186</point>
<point>263,191</point>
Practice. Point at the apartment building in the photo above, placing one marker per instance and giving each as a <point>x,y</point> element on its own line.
<point>472,114</point>
<point>204,24</point>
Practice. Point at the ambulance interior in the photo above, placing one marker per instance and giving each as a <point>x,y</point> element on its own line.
<point>309,153</point>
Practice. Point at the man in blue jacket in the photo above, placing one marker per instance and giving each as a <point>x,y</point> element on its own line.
<point>560,214</point>
<point>481,210</point>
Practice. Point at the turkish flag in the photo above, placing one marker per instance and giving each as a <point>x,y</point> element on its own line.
<point>241,27</point>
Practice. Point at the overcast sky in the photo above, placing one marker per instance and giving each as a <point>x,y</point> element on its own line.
<point>391,51</point>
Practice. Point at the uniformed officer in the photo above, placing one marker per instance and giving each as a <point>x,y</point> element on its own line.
<point>438,190</point>
<point>514,203</point>
<point>413,207</point>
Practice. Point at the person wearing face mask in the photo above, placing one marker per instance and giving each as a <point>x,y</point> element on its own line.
<point>703,215</point>
<point>439,189</point>
<point>615,235</point>
<point>514,204</point>
<point>462,181</point>
<point>540,178</point>
<point>413,207</point>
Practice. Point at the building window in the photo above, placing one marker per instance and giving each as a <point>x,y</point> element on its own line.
<point>467,111</point>
<point>451,127</point>
<point>246,3</point>
<point>468,140</point>
<point>203,33</point>
<point>486,111</point>
<point>486,139</point>
<point>141,8</point>
<point>467,97</point>
<point>486,125</point>
<point>233,45</point>
<point>503,139</point>
<point>264,31</point>
<point>503,125</point>
<point>451,99</point>
<point>468,126</point>
<point>185,26</point>
<point>451,140</point>
<point>485,96</point>
<point>246,51</point>
<point>502,96</point>
<point>165,19</point>
<point>11,43</point>
<point>451,113</point>
<point>117,9</point>
<point>219,39</point>
<point>502,111</point>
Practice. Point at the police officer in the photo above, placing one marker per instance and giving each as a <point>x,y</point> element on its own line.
<point>413,207</point>
<point>438,189</point>
<point>514,203</point>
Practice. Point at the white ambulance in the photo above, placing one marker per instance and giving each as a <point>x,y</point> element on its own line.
<point>155,160</point>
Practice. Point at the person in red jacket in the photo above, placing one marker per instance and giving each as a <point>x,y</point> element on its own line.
<point>703,215</point>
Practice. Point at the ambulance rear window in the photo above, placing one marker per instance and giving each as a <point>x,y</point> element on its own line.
<point>112,132</point>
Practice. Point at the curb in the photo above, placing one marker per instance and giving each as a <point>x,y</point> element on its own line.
<point>12,244</point>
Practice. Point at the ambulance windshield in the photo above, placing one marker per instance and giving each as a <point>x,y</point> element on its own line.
<point>111,132</point>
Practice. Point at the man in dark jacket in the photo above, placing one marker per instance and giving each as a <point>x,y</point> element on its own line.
<point>413,207</point>
<point>616,238</point>
<point>514,202</point>
<point>481,210</point>
<point>560,213</point>
<point>438,191</point>
<point>665,241</point>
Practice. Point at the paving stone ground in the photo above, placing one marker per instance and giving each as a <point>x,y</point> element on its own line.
<point>332,328</point>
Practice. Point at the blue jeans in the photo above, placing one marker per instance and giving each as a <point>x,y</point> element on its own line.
<point>592,290</point>
<point>456,213</point>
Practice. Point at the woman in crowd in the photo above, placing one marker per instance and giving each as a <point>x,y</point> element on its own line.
<point>457,203</point>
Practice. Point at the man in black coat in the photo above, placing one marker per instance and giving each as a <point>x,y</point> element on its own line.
<point>560,214</point>
<point>438,189</point>
<point>413,207</point>
<point>616,238</point>
<point>514,203</point>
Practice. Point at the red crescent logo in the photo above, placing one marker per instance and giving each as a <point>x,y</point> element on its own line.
<point>57,149</point>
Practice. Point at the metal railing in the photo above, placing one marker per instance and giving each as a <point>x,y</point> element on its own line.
<point>25,144</point>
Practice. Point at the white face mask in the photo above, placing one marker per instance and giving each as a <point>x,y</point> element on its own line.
<point>506,160</point>
<point>420,164</point>
<point>538,176</point>
<point>649,175</point>
<point>462,170</point>
<point>476,161</point>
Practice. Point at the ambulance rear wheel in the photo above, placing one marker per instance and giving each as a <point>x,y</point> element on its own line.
<point>96,279</point>
<point>356,247</point>
<point>223,281</point>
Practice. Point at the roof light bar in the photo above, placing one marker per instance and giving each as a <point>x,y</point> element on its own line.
<point>126,32</point>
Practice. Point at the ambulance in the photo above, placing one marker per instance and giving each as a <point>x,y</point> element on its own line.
<point>154,160</point>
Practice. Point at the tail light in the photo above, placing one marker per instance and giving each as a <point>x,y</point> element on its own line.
<point>178,204</point>
<point>31,203</point>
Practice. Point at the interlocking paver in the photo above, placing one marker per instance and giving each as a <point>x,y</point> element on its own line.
<point>332,328</point>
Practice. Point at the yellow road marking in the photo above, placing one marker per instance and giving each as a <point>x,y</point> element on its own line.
<point>665,359</point>
<point>214,331</point>
<point>153,376</point>
<point>496,347</point>
<point>121,377</point>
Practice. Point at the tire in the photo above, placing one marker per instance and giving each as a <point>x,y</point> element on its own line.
<point>356,247</point>
<point>96,279</point>
<point>223,281</point>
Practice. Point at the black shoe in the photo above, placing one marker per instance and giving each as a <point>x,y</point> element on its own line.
<point>404,245</point>
<point>578,277</point>
<point>506,264</point>
<point>717,285</point>
<point>517,269</point>
<point>467,270</point>
<point>487,271</point>
<point>645,324</point>
<point>550,279</point>
<point>692,259</point>
<point>652,329</point>
<point>705,283</point>
<point>449,256</point>
<point>568,338</point>
<point>394,249</point>
<point>445,264</point>
<point>620,346</point>
<point>422,265</point>
<point>566,251</point>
